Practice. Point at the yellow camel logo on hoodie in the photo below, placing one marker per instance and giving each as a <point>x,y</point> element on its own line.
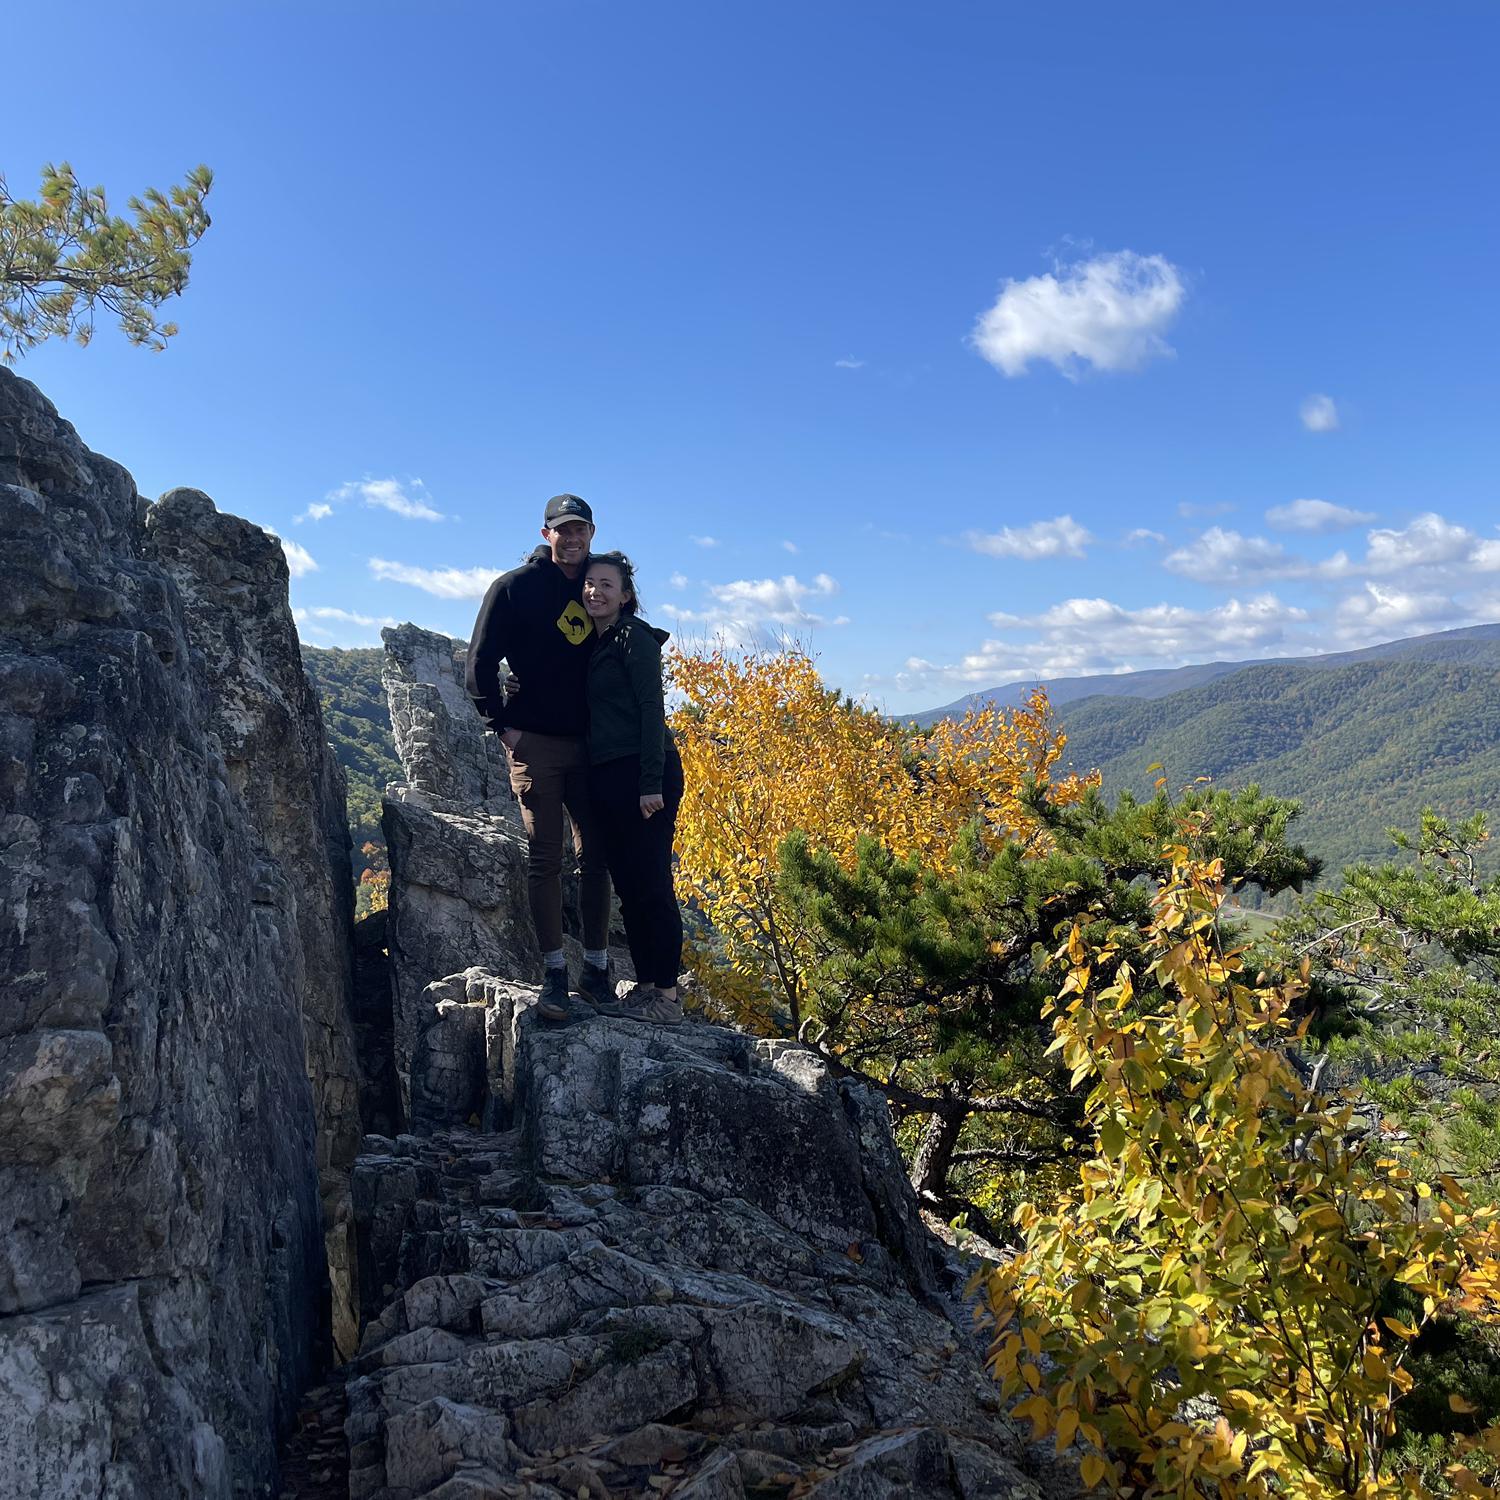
<point>574,623</point>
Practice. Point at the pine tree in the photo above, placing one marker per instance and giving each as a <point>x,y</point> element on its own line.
<point>932,982</point>
<point>65,255</point>
<point>1405,957</point>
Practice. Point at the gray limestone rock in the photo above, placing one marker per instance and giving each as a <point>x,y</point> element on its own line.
<point>453,832</point>
<point>446,752</point>
<point>677,1253</point>
<point>165,864</point>
<point>231,577</point>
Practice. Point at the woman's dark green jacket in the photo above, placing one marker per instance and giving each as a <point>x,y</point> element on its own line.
<point>627,713</point>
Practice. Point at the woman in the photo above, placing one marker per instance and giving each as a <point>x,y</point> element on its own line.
<point>635,785</point>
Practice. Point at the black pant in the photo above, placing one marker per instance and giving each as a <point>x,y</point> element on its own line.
<point>639,852</point>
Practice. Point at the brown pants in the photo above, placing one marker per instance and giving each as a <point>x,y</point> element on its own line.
<point>547,773</point>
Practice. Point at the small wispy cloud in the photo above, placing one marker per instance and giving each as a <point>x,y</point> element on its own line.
<point>678,580</point>
<point>849,364</point>
<point>1109,313</point>
<point>788,546</point>
<point>1191,510</point>
<point>1141,536</point>
<point>1315,515</point>
<point>444,583</point>
<point>408,499</point>
<point>1320,414</point>
<point>1087,636</point>
<point>705,541</point>
<point>314,512</point>
<point>299,561</point>
<point>748,611</point>
<point>343,616</point>
<point>1060,537</point>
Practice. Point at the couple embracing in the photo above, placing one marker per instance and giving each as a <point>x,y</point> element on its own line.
<point>583,722</point>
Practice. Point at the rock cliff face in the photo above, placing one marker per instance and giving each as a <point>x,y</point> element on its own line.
<point>457,853</point>
<point>231,578</point>
<point>167,874</point>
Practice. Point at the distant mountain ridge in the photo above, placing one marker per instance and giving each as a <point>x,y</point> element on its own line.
<point>1163,681</point>
<point>1364,745</point>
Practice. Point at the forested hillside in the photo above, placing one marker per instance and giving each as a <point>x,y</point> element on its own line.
<point>1364,747</point>
<point>358,725</point>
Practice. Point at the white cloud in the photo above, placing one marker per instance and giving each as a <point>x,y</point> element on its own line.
<point>1060,537</point>
<point>678,580</point>
<point>1429,546</point>
<point>1141,535</point>
<point>790,547</point>
<point>1315,515</point>
<point>299,560</point>
<point>1108,313</point>
<point>409,500</point>
<point>1430,541</point>
<point>1387,614</point>
<point>749,610</point>
<point>1083,637</point>
<point>342,616</point>
<point>1220,556</point>
<point>1319,414</point>
<point>705,541</point>
<point>445,583</point>
<point>314,512</point>
<point>849,364</point>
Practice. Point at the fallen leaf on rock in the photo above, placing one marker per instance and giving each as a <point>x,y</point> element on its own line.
<point>855,1253</point>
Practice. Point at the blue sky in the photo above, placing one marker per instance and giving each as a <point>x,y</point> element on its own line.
<point>967,343</point>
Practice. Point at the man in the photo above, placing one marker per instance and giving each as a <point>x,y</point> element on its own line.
<point>534,618</point>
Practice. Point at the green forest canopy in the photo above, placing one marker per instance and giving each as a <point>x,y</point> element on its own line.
<point>358,724</point>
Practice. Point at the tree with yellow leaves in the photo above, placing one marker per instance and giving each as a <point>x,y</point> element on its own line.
<point>768,751</point>
<point>884,893</point>
<point>1208,1312</point>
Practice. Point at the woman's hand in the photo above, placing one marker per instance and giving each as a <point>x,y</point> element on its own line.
<point>651,803</point>
<point>510,684</point>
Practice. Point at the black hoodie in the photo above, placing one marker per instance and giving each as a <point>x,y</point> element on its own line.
<point>534,618</point>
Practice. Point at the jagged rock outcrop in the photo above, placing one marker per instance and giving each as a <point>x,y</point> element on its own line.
<point>673,1259</point>
<point>445,750</point>
<point>231,577</point>
<point>453,832</point>
<point>163,1293</point>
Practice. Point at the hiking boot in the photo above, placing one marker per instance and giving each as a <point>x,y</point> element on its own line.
<point>556,1004</point>
<point>644,1002</point>
<point>596,985</point>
